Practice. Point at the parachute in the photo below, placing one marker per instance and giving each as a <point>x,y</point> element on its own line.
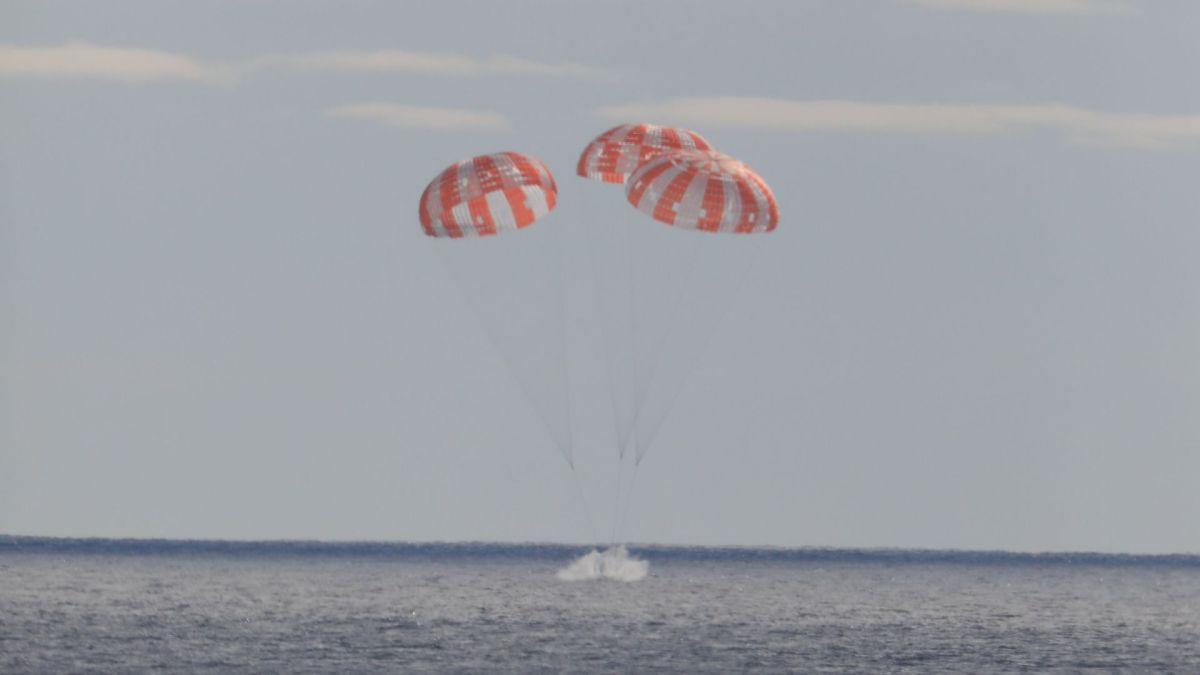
<point>703,190</point>
<point>633,322</point>
<point>661,290</point>
<point>644,277</point>
<point>487,195</point>
<point>513,283</point>
<point>706,192</point>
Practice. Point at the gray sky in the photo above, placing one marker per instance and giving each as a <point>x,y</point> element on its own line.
<point>978,325</point>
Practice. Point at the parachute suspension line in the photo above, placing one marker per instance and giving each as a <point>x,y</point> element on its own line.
<point>583,502</point>
<point>450,262</point>
<point>637,396</point>
<point>612,535</point>
<point>477,317</point>
<point>560,281</point>
<point>741,273</point>
<point>633,332</point>
<point>628,224</point>
<point>605,250</point>
<point>675,304</point>
<point>631,354</point>
<point>611,357</point>
<point>629,498</point>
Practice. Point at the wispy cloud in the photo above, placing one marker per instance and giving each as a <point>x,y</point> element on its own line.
<point>81,60</point>
<point>421,117</point>
<point>1079,124</point>
<point>123,64</point>
<point>433,63</point>
<point>1025,6</point>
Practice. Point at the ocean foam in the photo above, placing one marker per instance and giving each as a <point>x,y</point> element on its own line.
<point>611,563</point>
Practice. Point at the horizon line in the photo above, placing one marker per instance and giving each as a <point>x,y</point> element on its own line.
<point>18,542</point>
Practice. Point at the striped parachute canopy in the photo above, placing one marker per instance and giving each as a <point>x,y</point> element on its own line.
<point>487,195</point>
<point>615,154</point>
<point>703,190</point>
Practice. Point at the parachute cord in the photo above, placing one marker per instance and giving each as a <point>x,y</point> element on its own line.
<point>560,241</point>
<point>633,336</point>
<point>612,355</point>
<point>640,452</point>
<point>560,265</point>
<point>509,367</point>
<point>605,306</point>
<point>583,502</point>
<point>633,331</point>
<point>612,535</point>
<point>631,354</point>
<point>640,392</point>
<point>629,499</point>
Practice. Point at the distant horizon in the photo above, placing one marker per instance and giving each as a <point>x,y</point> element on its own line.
<point>882,552</point>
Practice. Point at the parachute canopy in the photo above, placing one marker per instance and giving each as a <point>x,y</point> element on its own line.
<point>703,190</point>
<point>487,195</point>
<point>613,155</point>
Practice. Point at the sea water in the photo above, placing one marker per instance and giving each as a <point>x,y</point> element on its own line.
<point>298,607</point>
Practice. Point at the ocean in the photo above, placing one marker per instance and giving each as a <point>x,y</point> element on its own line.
<point>124,606</point>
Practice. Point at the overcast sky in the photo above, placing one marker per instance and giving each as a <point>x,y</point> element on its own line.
<point>977,326</point>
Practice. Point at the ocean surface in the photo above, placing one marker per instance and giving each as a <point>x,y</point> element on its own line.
<point>117,606</point>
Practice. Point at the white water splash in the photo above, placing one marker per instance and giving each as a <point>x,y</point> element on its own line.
<point>611,563</point>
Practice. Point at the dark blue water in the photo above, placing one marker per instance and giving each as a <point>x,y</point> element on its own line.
<point>175,606</point>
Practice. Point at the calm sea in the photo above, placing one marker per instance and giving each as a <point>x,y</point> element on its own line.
<point>176,606</point>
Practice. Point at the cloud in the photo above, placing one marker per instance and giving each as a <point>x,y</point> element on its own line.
<point>431,63</point>
<point>1079,124</point>
<point>84,60</point>
<point>127,64</point>
<point>421,117</point>
<point>1024,6</point>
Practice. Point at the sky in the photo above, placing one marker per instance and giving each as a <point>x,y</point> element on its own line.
<point>977,325</point>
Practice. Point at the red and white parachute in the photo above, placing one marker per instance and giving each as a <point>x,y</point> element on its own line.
<point>662,290</point>
<point>487,195</point>
<point>611,158</point>
<point>512,283</point>
<point>703,190</point>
